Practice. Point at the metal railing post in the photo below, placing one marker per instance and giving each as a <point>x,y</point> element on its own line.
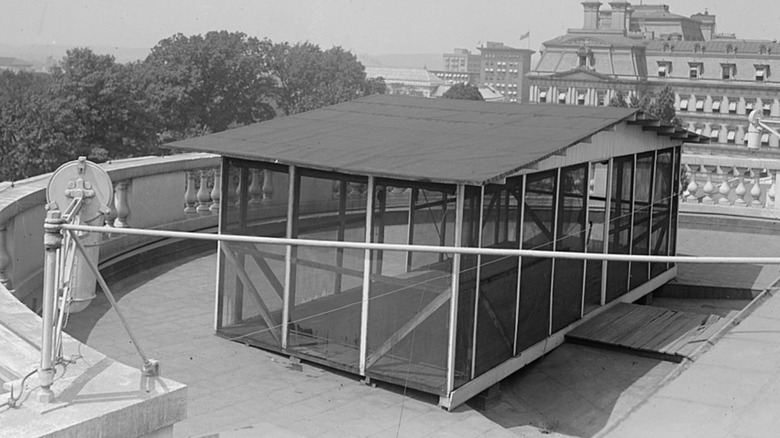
<point>52,242</point>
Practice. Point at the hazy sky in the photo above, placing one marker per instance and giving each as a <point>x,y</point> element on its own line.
<point>362,26</point>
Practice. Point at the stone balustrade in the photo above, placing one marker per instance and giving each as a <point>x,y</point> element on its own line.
<point>179,193</point>
<point>736,186</point>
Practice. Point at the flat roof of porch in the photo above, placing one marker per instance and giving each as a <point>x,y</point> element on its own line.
<point>438,140</point>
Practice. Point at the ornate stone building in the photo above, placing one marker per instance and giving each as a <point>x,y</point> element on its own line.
<point>639,49</point>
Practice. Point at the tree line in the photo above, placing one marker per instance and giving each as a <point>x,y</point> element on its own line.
<point>188,86</point>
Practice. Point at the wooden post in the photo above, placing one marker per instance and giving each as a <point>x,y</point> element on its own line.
<point>291,252</point>
<point>410,228</point>
<point>607,220</point>
<point>366,277</point>
<point>460,196</point>
<point>341,232</point>
<point>520,221</point>
<point>480,205</point>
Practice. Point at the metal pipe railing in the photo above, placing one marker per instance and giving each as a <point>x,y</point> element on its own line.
<point>426,248</point>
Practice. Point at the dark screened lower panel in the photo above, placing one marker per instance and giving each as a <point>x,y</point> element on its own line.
<point>567,292</point>
<point>533,323</point>
<point>496,312</point>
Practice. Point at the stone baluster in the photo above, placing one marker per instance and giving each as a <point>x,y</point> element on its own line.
<point>755,191</point>
<point>256,188</point>
<point>110,217</point>
<point>740,191</point>
<point>190,194</point>
<point>268,186</point>
<point>121,204</point>
<point>771,201</point>
<point>724,189</point>
<point>203,195</point>
<point>5,258</point>
<point>709,189</point>
<point>216,191</point>
<point>692,187</point>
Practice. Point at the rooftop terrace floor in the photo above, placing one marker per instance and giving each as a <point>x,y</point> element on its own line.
<point>244,391</point>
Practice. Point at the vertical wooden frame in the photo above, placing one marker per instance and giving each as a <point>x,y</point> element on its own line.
<point>293,197</point>
<point>520,223</point>
<point>556,216</point>
<point>460,196</point>
<point>631,220</point>
<point>223,220</point>
<point>478,273</point>
<point>410,228</point>
<point>607,221</point>
<point>586,201</point>
<point>366,276</point>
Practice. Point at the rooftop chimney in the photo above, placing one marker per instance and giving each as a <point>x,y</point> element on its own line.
<point>619,11</point>
<point>591,14</point>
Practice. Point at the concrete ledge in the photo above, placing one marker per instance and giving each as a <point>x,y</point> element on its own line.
<point>93,394</point>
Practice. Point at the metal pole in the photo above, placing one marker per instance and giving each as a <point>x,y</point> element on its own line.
<point>52,242</point>
<point>151,367</point>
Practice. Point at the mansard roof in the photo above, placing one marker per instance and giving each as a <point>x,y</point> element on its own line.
<point>594,39</point>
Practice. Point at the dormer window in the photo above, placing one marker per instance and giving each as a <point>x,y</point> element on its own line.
<point>543,97</point>
<point>729,48</point>
<point>762,72</point>
<point>728,71</point>
<point>697,48</point>
<point>664,69</point>
<point>586,59</point>
<point>562,97</point>
<point>695,70</point>
<point>762,50</point>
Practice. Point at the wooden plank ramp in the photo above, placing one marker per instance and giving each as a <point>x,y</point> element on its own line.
<point>653,331</point>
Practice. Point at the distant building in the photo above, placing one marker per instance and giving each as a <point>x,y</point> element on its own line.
<point>416,82</point>
<point>489,94</point>
<point>639,49</point>
<point>504,68</point>
<point>15,64</point>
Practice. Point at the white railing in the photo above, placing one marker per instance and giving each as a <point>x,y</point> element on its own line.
<point>734,186</point>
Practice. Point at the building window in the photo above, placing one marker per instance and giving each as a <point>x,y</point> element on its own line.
<point>714,134</point>
<point>729,48</point>
<point>728,71</point>
<point>700,105</point>
<point>695,70</point>
<point>601,98</point>
<point>749,105</point>
<point>765,138</point>
<point>543,97</point>
<point>732,107</point>
<point>767,109</point>
<point>562,97</point>
<point>762,72</point>
<point>664,69</point>
<point>715,106</point>
<point>731,136</point>
<point>699,130</point>
<point>683,103</point>
<point>581,97</point>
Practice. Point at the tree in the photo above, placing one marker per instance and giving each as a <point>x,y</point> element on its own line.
<point>208,83</point>
<point>309,78</point>
<point>99,108</point>
<point>660,105</point>
<point>463,92</point>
